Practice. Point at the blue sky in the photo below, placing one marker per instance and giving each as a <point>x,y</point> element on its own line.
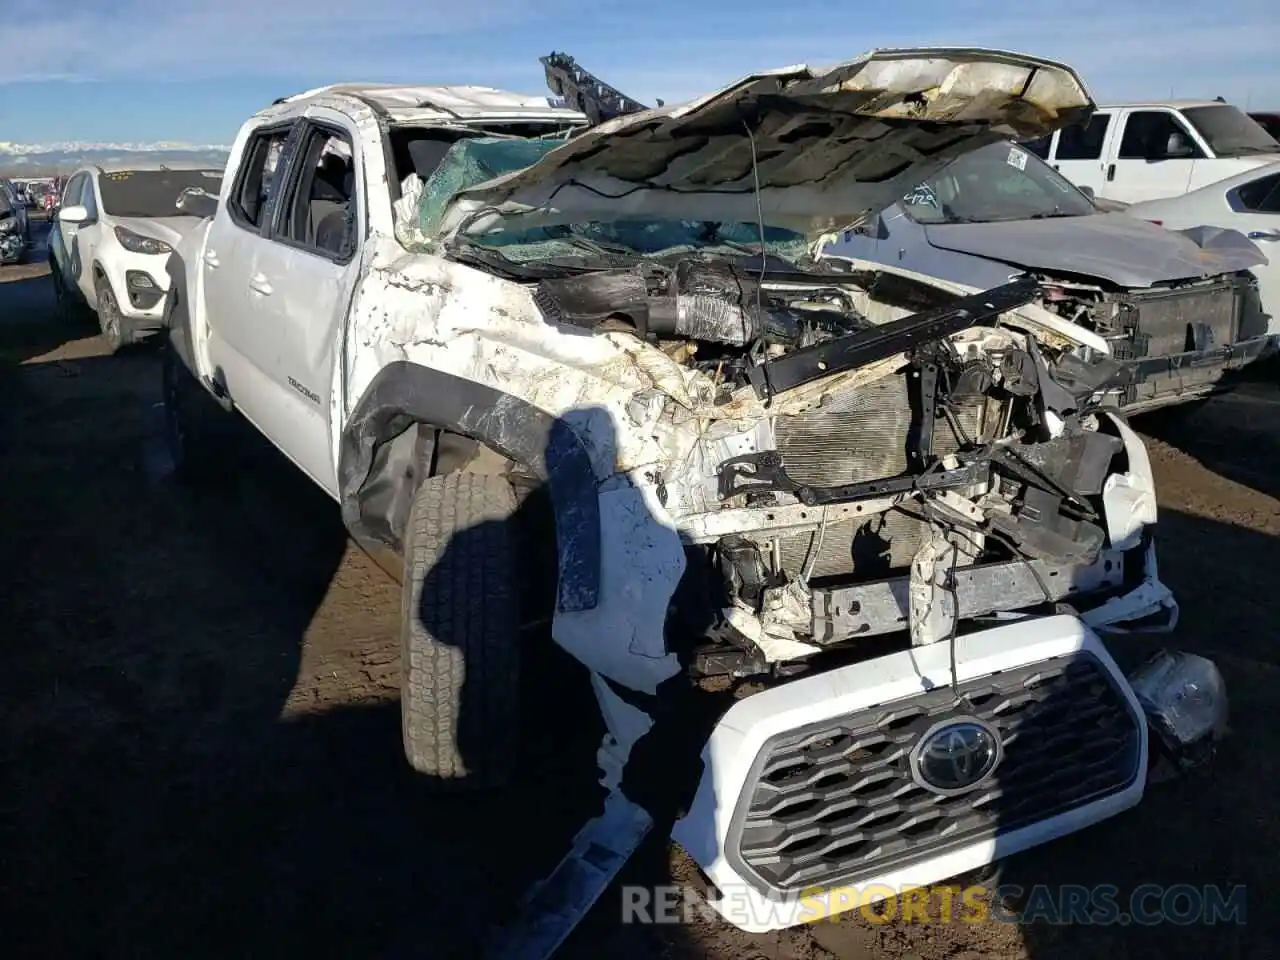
<point>192,70</point>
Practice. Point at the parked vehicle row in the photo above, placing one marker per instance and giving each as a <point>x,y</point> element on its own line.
<point>15,228</point>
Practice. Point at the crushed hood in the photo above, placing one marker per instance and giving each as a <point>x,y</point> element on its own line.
<point>826,148</point>
<point>1114,247</point>
<point>168,229</point>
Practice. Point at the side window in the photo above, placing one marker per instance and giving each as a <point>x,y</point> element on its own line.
<point>319,202</point>
<point>1039,147</point>
<point>1156,135</point>
<point>256,180</point>
<point>89,198</point>
<point>71,196</point>
<point>1262,195</point>
<point>1083,142</point>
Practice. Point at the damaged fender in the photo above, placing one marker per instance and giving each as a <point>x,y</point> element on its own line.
<point>404,394</point>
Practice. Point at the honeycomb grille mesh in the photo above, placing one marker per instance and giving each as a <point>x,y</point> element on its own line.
<point>837,802</point>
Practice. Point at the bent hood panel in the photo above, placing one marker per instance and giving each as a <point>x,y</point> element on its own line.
<point>1115,247</point>
<point>810,150</point>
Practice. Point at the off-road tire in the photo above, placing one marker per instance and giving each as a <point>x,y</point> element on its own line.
<point>197,431</point>
<point>117,332</point>
<point>459,629</point>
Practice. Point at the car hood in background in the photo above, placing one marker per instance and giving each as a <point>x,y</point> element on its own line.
<point>815,151</point>
<point>168,229</point>
<point>1106,246</point>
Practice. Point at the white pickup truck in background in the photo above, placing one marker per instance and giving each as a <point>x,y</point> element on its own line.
<point>443,303</point>
<point>1133,152</point>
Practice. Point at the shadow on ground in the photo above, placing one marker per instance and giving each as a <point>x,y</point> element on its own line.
<point>1233,434</point>
<point>199,729</point>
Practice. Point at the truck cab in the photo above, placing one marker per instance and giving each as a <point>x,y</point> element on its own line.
<point>1145,151</point>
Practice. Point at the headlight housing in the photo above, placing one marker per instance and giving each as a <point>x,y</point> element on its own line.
<point>137,243</point>
<point>1185,701</point>
<point>8,225</point>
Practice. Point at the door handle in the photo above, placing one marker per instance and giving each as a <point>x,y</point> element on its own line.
<point>1111,172</point>
<point>259,283</point>
<point>211,259</point>
<point>1264,234</point>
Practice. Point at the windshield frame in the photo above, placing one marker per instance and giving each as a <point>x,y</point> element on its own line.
<point>189,177</point>
<point>1071,190</point>
<point>1245,124</point>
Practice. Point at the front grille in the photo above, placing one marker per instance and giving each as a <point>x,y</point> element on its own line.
<point>860,435</point>
<point>1161,323</point>
<point>836,803</point>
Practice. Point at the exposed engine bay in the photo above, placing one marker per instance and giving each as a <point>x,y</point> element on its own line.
<point>963,477</point>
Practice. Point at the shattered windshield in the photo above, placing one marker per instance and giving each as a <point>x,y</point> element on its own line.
<point>1230,132</point>
<point>151,193</point>
<point>474,161</point>
<point>1001,181</point>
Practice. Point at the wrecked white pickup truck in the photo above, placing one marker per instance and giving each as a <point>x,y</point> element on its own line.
<point>888,504</point>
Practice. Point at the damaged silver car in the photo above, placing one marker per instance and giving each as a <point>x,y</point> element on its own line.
<point>1178,309</point>
<point>893,506</point>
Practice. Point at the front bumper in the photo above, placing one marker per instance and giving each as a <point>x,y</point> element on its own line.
<point>808,804</point>
<point>140,283</point>
<point>1156,382</point>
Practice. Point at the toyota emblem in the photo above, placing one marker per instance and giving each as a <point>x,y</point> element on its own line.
<point>956,755</point>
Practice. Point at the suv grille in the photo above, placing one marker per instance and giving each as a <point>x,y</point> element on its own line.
<point>836,803</point>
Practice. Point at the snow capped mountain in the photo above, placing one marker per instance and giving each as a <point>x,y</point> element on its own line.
<point>75,146</point>
<point>35,159</point>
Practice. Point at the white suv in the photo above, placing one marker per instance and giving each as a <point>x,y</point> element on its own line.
<point>115,230</point>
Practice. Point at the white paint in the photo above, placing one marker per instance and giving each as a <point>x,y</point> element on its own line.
<point>624,726</point>
<point>743,731</point>
<point>623,636</point>
<point>1129,499</point>
<point>97,244</point>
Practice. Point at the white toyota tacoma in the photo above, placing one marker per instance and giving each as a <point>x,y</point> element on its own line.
<point>469,316</point>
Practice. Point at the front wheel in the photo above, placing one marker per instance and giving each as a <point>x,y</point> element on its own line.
<point>116,330</point>
<point>459,628</point>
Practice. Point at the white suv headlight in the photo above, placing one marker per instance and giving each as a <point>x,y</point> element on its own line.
<point>137,243</point>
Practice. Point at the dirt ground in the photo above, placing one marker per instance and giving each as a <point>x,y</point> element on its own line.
<point>199,733</point>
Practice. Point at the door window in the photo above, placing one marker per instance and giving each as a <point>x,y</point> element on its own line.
<point>1039,146</point>
<point>71,196</point>
<point>251,198</point>
<point>1157,135</point>
<point>319,209</point>
<point>1083,142</point>
<point>89,198</point>
<point>1260,196</point>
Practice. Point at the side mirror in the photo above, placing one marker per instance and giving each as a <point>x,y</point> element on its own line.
<point>197,202</point>
<point>73,214</point>
<point>1088,192</point>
